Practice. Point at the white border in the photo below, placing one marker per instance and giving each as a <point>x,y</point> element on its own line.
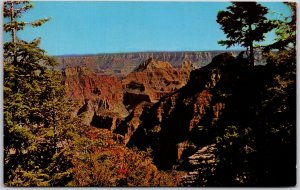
<point>1,94</point>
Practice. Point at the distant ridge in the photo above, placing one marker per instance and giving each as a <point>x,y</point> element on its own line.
<point>134,52</point>
<point>124,63</point>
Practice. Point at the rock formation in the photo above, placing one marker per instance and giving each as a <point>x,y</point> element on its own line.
<point>99,97</point>
<point>209,122</point>
<point>202,163</point>
<point>173,125</point>
<point>102,98</point>
<point>168,110</point>
<point>152,80</point>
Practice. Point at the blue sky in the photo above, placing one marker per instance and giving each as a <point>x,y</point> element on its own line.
<point>109,27</point>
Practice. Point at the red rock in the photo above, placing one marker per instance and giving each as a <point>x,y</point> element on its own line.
<point>181,115</point>
<point>96,95</point>
<point>153,80</point>
<point>102,97</point>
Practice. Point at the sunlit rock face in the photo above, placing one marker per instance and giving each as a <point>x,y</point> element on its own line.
<point>179,127</point>
<point>98,97</point>
<point>154,79</point>
<point>105,100</point>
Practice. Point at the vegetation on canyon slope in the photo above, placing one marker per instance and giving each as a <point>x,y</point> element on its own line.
<point>255,136</point>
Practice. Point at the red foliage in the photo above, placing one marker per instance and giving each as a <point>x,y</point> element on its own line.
<point>104,162</point>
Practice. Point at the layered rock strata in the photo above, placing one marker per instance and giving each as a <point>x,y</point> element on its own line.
<point>98,97</point>
<point>154,79</point>
<point>102,98</point>
<point>173,125</point>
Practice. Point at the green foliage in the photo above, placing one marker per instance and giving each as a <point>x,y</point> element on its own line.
<point>14,10</point>
<point>37,123</point>
<point>282,86</point>
<point>285,32</point>
<point>244,23</point>
<point>256,135</point>
<point>43,144</point>
<point>230,136</point>
<point>38,129</point>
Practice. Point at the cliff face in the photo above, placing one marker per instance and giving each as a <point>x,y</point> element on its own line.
<point>215,122</point>
<point>154,79</point>
<point>180,126</point>
<point>171,126</point>
<point>219,127</point>
<point>158,106</point>
<point>124,63</point>
<point>105,100</point>
<point>99,97</point>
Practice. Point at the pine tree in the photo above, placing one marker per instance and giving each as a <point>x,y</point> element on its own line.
<point>244,23</point>
<point>262,151</point>
<point>38,129</point>
<point>14,10</point>
<point>280,100</point>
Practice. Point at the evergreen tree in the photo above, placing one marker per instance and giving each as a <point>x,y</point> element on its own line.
<point>285,33</point>
<point>14,10</point>
<point>38,129</point>
<point>280,100</point>
<point>260,150</point>
<point>244,23</point>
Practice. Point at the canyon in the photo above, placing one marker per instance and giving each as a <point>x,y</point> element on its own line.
<point>177,109</point>
<point>105,100</point>
<point>156,106</point>
<point>110,88</point>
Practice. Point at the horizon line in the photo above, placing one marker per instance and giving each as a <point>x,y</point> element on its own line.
<point>148,51</point>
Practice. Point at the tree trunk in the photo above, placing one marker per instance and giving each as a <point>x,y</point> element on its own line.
<point>12,19</point>
<point>251,46</point>
<point>251,54</point>
<point>55,131</point>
